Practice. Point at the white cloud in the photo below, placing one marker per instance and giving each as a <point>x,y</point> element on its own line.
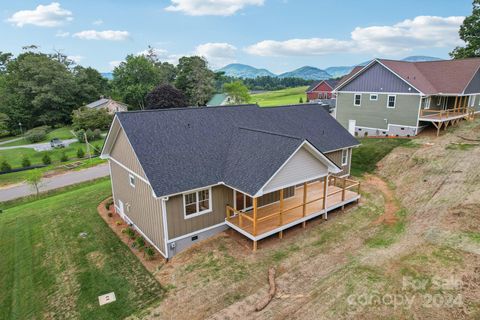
<point>217,54</point>
<point>211,7</point>
<point>162,55</point>
<point>76,59</point>
<point>298,47</point>
<point>418,33</point>
<point>97,22</point>
<point>115,63</point>
<point>51,15</point>
<point>102,35</point>
<point>62,34</point>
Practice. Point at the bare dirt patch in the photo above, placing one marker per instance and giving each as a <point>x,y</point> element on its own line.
<point>97,259</point>
<point>391,207</point>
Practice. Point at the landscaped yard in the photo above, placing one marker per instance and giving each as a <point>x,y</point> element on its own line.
<point>280,97</point>
<point>47,270</point>
<point>14,156</point>
<point>62,133</point>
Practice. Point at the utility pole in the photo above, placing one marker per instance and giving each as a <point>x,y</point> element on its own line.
<point>21,131</point>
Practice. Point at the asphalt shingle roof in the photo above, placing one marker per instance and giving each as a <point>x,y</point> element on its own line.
<point>242,146</point>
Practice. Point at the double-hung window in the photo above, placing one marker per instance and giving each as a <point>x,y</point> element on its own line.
<point>344,157</point>
<point>391,101</point>
<point>357,100</point>
<point>197,202</point>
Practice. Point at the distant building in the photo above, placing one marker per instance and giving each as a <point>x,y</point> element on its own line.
<point>321,90</point>
<point>110,105</point>
<point>399,98</point>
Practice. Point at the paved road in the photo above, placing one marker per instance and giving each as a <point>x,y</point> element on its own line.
<point>39,146</point>
<point>12,140</point>
<point>55,182</point>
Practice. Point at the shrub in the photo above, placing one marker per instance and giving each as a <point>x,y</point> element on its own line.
<point>80,153</point>
<point>119,223</point>
<point>36,134</point>
<point>5,166</point>
<point>46,159</point>
<point>26,162</point>
<point>64,157</point>
<point>140,242</point>
<point>80,135</point>
<point>149,252</point>
<point>130,233</point>
<point>97,150</point>
<point>300,100</point>
<point>97,134</point>
<point>108,204</point>
<point>110,214</point>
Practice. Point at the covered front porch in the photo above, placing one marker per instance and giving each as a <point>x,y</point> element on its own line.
<point>296,205</point>
<point>443,111</point>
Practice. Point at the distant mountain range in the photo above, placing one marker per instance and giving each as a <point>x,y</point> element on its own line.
<point>238,70</point>
<point>307,72</point>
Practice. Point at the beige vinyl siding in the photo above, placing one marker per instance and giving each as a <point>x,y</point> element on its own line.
<point>375,114</point>
<point>141,207</point>
<point>336,157</point>
<point>273,197</point>
<point>301,167</point>
<point>123,153</point>
<point>179,226</point>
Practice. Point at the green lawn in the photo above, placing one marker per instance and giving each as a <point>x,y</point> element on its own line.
<point>372,150</point>
<point>14,156</point>
<point>48,271</point>
<point>62,133</point>
<point>280,97</point>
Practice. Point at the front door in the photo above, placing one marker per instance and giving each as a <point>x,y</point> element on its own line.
<point>242,201</point>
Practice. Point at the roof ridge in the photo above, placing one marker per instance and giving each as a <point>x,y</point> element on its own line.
<point>271,132</point>
<point>191,108</point>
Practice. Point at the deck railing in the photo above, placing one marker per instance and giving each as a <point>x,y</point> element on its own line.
<point>444,114</point>
<point>343,184</point>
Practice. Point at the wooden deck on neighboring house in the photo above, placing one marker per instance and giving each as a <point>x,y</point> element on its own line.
<point>444,118</point>
<point>309,201</point>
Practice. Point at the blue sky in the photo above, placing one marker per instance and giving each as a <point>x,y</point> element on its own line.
<point>276,34</point>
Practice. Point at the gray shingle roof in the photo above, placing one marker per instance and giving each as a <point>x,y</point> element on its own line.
<point>97,103</point>
<point>242,146</point>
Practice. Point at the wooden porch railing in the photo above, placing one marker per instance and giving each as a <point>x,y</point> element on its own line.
<point>444,114</point>
<point>343,184</point>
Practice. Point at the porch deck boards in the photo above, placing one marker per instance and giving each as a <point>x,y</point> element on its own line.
<point>314,191</point>
<point>440,117</point>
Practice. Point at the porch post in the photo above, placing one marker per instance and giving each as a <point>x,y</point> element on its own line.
<point>254,223</point>
<point>304,213</point>
<point>325,194</point>
<point>280,217</point>
<point>455,105</point>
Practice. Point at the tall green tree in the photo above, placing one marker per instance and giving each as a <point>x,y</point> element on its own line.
<point>237,92</point>
<point>90,85</point>
<point>138,75</point>
<point>38,90</point>
<point>195,79</point>
<point>470,33</point>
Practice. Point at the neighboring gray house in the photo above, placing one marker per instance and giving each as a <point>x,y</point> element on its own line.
<point>110,105</point>
<point>398,98</point>
<point>182,175</point>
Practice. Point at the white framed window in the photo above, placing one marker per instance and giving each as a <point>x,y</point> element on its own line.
<point>472,101</point>
<point>391,101</point>
<point>344,157</point>
<point>131,180</point>
<point>373,97</point>
<point>357,100</point>
<point>197,202</point>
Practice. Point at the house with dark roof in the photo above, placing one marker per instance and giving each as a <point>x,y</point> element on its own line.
<point>400,98</point>
<point>110,105</point>
<point>321,90</point>
<point>182,175</point>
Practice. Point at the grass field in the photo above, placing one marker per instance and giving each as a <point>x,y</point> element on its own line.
<point>14,156</point>
<point>371,151</point>
<point>62,133</point>
<point>280,97</point>
<point>48,271</point>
